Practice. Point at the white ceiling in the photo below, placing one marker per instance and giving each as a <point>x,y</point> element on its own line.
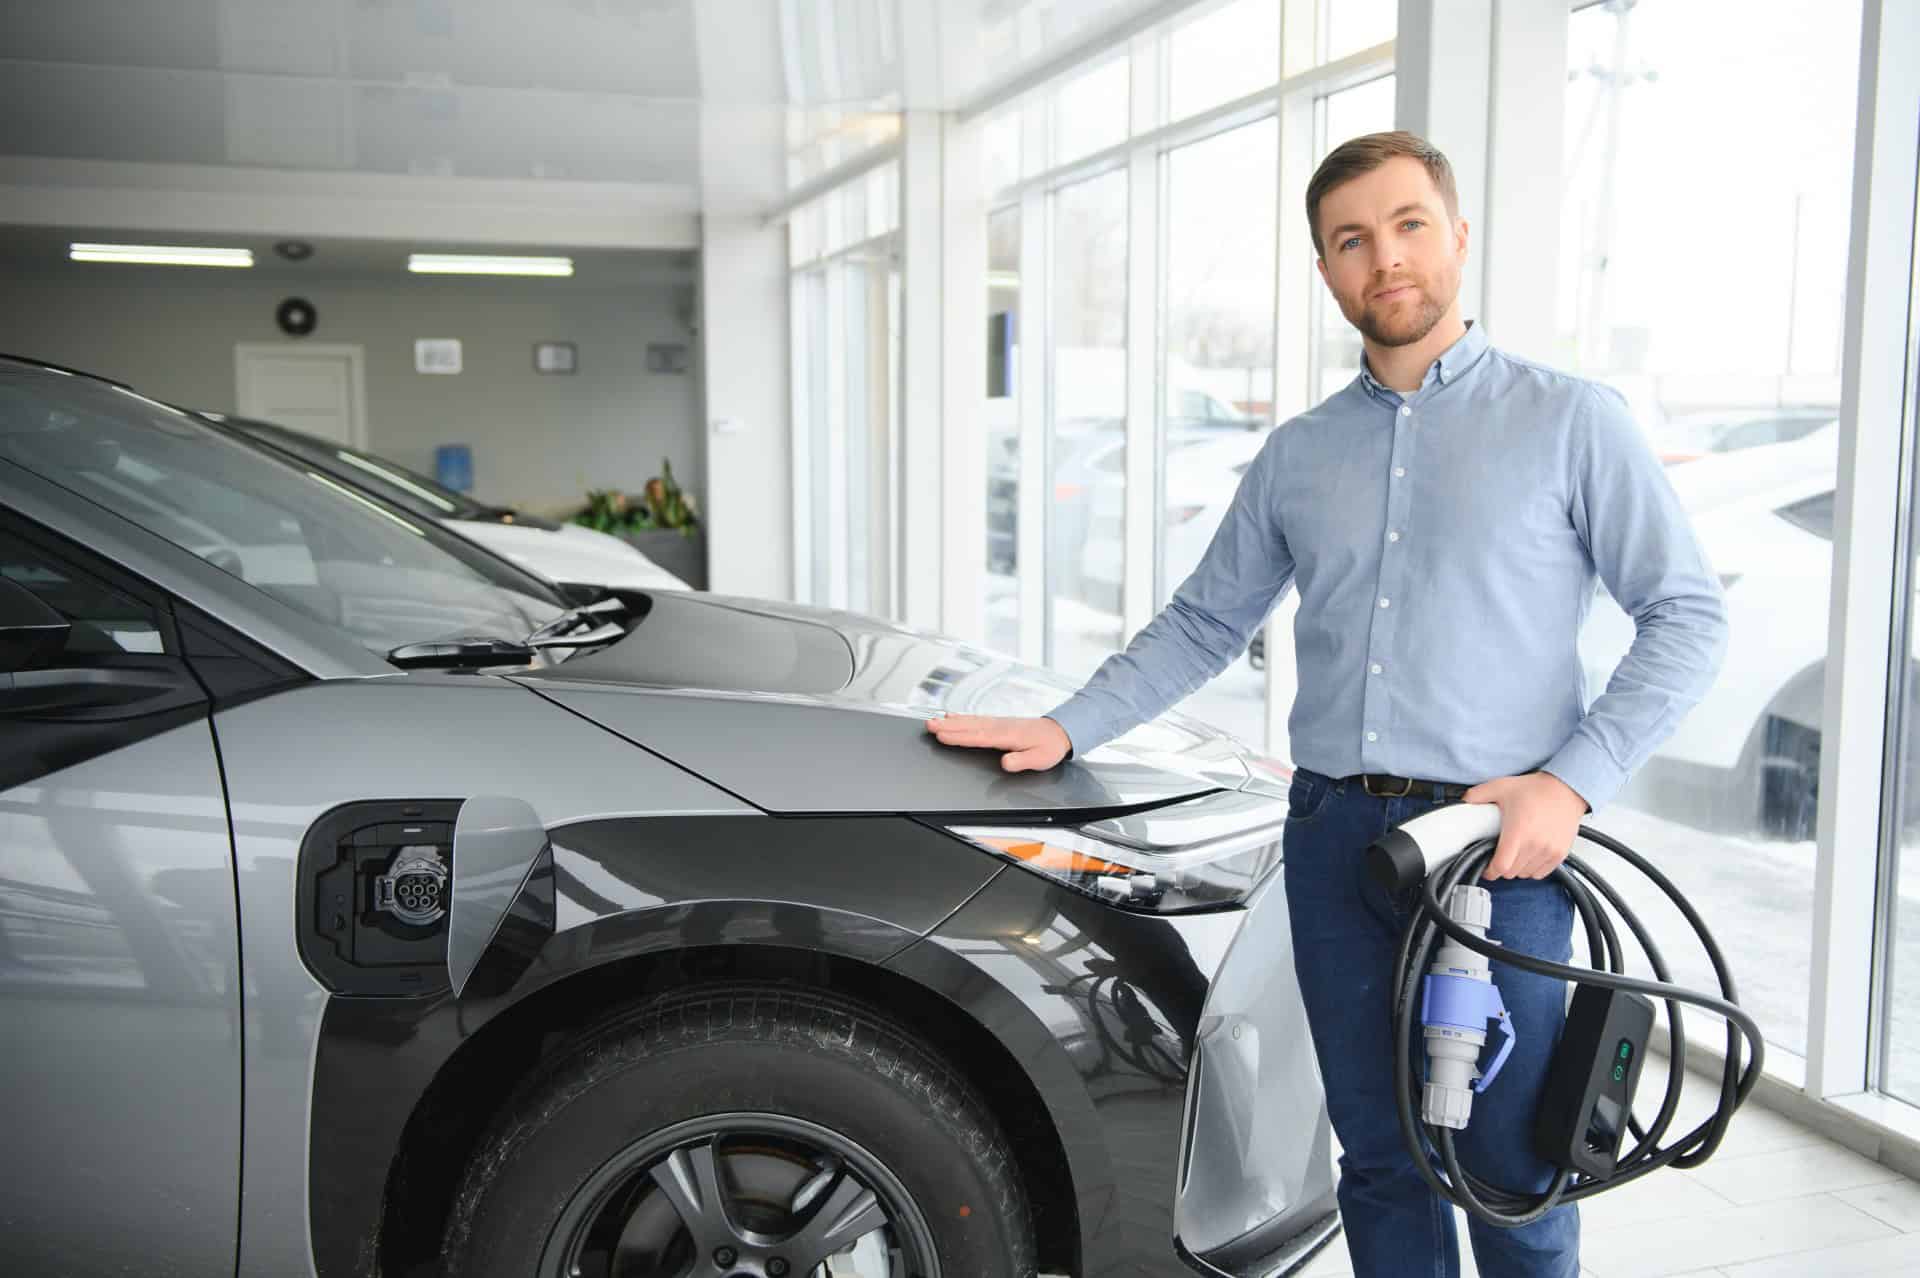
<point>542,90</point>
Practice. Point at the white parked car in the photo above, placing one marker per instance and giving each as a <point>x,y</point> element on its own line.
<point>565,553</point>
<point>1747,756</point>
<point>1716,479</point>
<point>1203,473</point>
<point>1694,435</point>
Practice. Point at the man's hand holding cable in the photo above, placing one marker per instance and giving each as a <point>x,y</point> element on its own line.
<point>1539,819</point>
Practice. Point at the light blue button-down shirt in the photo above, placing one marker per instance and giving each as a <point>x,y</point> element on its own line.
<point>1445,545</point>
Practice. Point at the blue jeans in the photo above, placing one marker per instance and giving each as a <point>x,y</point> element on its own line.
<point>1346,934</point>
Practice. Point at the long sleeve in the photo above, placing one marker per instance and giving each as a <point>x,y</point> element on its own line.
<point>1210,620</point>
<point>1644,550</point>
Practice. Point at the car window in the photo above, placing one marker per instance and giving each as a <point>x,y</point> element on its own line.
<point>1186,403</point>
<point>397,484</point>
<point>1815,514</point>
<point>105,621</point>
<point>1791,428</point>
<point>1751,435</point>
<point>315,544</point>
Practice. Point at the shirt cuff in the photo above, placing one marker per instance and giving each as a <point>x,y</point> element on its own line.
<point>1588,770</point>
<point>1081,726</point>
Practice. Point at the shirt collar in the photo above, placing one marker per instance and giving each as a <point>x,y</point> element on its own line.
<point>1455,360</point>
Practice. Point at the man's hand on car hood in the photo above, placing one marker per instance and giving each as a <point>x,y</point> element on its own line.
<point>1030,745</point>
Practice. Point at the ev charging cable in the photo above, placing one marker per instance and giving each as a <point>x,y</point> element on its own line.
<point>1442,980</point>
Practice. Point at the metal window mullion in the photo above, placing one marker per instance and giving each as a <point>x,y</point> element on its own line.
<point>858,504</point>
<point>964,215</point>
<point>1140,525</point>
<point>819,373</point>
<point>1872,399</point>
<point>1900,743</point>
<point>1349,72</point>
<point>1295,284</point>
<point>1034,391</point>
<point>832,520</point>
<point>921,370</point>
<point>801,343</point>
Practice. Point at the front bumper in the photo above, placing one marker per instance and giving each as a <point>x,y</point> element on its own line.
<point>1257,1260</point>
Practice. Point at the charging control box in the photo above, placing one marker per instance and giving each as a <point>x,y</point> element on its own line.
<point>1588,1095</point>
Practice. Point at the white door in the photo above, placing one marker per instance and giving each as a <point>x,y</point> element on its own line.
<point>316,389</point>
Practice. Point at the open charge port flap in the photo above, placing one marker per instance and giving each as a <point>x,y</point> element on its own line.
<point>375,881</point>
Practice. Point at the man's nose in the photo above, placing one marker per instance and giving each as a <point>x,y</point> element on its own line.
<point>1387,255</point>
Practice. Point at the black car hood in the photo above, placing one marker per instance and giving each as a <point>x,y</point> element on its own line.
<point>806,710</point>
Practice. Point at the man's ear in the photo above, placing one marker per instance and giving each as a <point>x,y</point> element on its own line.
<point>1460,238</point>
<point>1320,264</point>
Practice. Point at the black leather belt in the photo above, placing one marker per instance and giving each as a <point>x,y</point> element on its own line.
<point>1384,786</point>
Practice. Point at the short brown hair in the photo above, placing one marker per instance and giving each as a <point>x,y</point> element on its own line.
<point>1363,155</point>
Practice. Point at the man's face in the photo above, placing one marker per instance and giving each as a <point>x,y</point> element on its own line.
<point>1390,254</point>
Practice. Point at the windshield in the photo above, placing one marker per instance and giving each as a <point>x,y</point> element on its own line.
<point>342,558</point>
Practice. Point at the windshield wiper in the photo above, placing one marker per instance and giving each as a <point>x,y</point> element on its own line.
<point>584,627</point>
<point>461,652</point>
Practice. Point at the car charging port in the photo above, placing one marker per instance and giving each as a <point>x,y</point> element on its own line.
<point>414,888</point>
<point>376,885</point>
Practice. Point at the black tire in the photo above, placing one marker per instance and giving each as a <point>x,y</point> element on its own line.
<point>1789,780</point>
<point>797,1069</point>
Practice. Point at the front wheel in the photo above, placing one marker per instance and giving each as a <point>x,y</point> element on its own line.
<point>743,1132</point>
<point>1789,780</point>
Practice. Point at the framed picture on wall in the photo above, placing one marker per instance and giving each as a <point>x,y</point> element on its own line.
<point>555,357</point>
<point>437,355</point>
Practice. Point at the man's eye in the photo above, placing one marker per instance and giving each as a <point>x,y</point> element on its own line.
<point>1349,242</point>
<point>1412,222</point>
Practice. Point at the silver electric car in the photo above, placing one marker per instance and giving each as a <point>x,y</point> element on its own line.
<point>367,907</point>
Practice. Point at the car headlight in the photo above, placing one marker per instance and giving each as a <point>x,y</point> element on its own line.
<point>1206,854</point>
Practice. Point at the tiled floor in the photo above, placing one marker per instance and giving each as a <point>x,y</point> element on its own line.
<point>1776,1201</point>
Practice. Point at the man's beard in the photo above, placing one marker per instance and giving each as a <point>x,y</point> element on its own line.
<point>1400,326</point>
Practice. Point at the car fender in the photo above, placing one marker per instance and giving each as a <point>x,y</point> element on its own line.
<point>633,896</point>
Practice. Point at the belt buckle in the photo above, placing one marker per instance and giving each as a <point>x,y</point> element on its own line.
<point>1406,787</point>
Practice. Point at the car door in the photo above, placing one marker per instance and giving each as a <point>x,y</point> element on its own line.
<point>120,1049</point>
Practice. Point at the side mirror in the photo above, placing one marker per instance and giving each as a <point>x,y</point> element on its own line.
<point>31,633</point>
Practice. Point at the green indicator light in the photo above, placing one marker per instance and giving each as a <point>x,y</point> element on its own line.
<point>1619,1073</point>
<point>1626,1049</point>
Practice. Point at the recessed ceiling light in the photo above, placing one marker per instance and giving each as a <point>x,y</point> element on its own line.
<point>471,264</point>
<point>160,254</point>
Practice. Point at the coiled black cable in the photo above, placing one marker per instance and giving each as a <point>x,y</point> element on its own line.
<point>1507,1208</point>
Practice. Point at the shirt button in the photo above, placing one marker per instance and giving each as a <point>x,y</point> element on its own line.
<point>1399,472</point>
<point>1386,603</point>
<point>1405,411</point>
<point>1393,536</point>
<point>1373,736</point>
<point>1375,667</point>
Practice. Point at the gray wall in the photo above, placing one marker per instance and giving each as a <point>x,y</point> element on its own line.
<point>539,441</point>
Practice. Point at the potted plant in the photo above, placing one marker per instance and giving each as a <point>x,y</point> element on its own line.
<point>661,521</point>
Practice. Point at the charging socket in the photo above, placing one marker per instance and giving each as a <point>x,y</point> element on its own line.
<point>1588,1096</point>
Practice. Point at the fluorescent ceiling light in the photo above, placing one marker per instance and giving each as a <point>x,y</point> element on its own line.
<point>472,264</point>
<point>160,254</point>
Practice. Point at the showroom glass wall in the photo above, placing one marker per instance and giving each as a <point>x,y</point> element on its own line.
<point>1896,1067</point>
<point>1722,330</point>
<point>1211,116</point>
<point>845,315</point>
<point>1735,375</point>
